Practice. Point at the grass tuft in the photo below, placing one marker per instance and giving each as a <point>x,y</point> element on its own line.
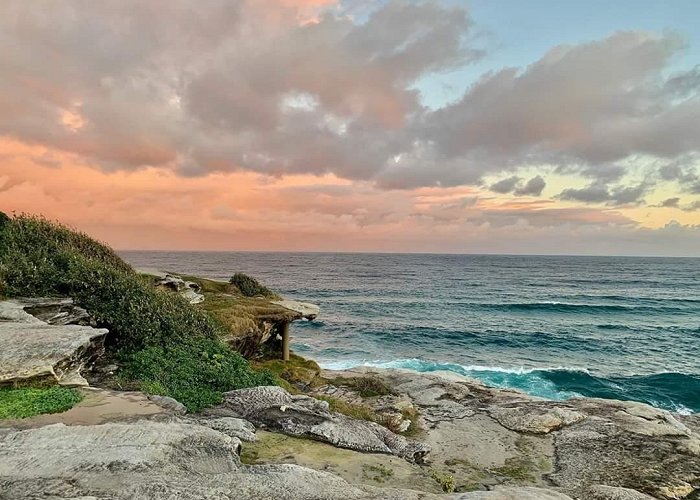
<point>366,387</point>
<point>358,411</point>
<point>446,481</point>
<point>27,402</point>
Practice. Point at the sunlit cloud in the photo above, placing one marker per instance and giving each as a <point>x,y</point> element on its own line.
<point>298,124</point>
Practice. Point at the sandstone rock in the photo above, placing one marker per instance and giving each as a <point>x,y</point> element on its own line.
<point>162,461</point>
<point>169,403</point>
<point>677,491</point>
<point>535,418</point>
<point>620,444</point>
<point>234,427</point>
<point>439,399</point>
<point>515,494</point>
<point>57,311</point>
<point>603,492</point>
<point>188,289</point>
<point>307,311</point>
<point>608,451</point>
<point>275,409</point>
<point>35,350</point>
<point>635,417</point>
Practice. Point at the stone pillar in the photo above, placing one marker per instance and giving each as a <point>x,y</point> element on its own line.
<point>285,341</point>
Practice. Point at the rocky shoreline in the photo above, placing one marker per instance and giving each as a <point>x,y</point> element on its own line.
<point>362,433</point>
<point>500,444</point>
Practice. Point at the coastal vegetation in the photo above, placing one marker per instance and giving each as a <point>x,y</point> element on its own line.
<point>366,387</point>
<point>164,344</point>
<point>294,374</point>
<point>29,401</point>
<point>250,287</point>
<point>446,481</point>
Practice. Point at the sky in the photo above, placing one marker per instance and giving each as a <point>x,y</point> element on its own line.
<point>456,126</point>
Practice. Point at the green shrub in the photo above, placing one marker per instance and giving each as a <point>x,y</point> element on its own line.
<point>41,258</point>
<point>195,373</point>
<point>147,327</point>
<point>250,287</point>
<point>27,402</point>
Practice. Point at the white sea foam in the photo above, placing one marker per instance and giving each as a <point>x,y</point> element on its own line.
<point>424,365</point>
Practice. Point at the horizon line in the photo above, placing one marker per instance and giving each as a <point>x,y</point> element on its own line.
<point>456,254</point>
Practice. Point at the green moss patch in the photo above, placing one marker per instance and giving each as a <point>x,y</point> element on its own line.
<point>297,372</point>
<point>378,473</point>
<point>27,402</point>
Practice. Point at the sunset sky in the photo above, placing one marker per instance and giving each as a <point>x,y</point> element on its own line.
<point>461,126</point>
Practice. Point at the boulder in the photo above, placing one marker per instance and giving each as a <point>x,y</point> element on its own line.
<point>603,492</point>
<point>275,409</point>
<point>525,493</point>
<point>34,350</point>
<point>168,403</point>
<point>188,289</point>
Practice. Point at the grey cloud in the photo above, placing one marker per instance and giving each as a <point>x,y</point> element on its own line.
<point>533,187</point>
<point>505,185</point>
<point>556,217</point>
<point>600,193</point>
<point>514,185</point>
<point>606,172</point>
<point>210,86</point>
<point>684,85</point>
<point>695,206</point>
<point>578,106</point>
<point>686,176</point>
<point>669,203</point>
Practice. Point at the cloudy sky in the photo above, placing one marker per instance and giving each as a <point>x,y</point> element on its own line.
<point>462,126</point>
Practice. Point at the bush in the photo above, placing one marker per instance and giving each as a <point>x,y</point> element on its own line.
<point>195,374</point>
<point>147,327</point>
<point>27,402</point>
<point>250,287</point>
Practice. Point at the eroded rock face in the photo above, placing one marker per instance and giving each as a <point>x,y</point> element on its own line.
<point>275,409</point>
<point>307,310</point>
<point>34,350</point>
<point>161,461</point>
<point>57,311</point>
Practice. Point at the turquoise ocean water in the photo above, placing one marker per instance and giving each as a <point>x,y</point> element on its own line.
<point>555,327</point>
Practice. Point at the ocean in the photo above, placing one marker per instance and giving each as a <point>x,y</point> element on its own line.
<point>552,326</point>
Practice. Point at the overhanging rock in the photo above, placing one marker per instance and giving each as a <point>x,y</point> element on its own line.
<point>33,350</point>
